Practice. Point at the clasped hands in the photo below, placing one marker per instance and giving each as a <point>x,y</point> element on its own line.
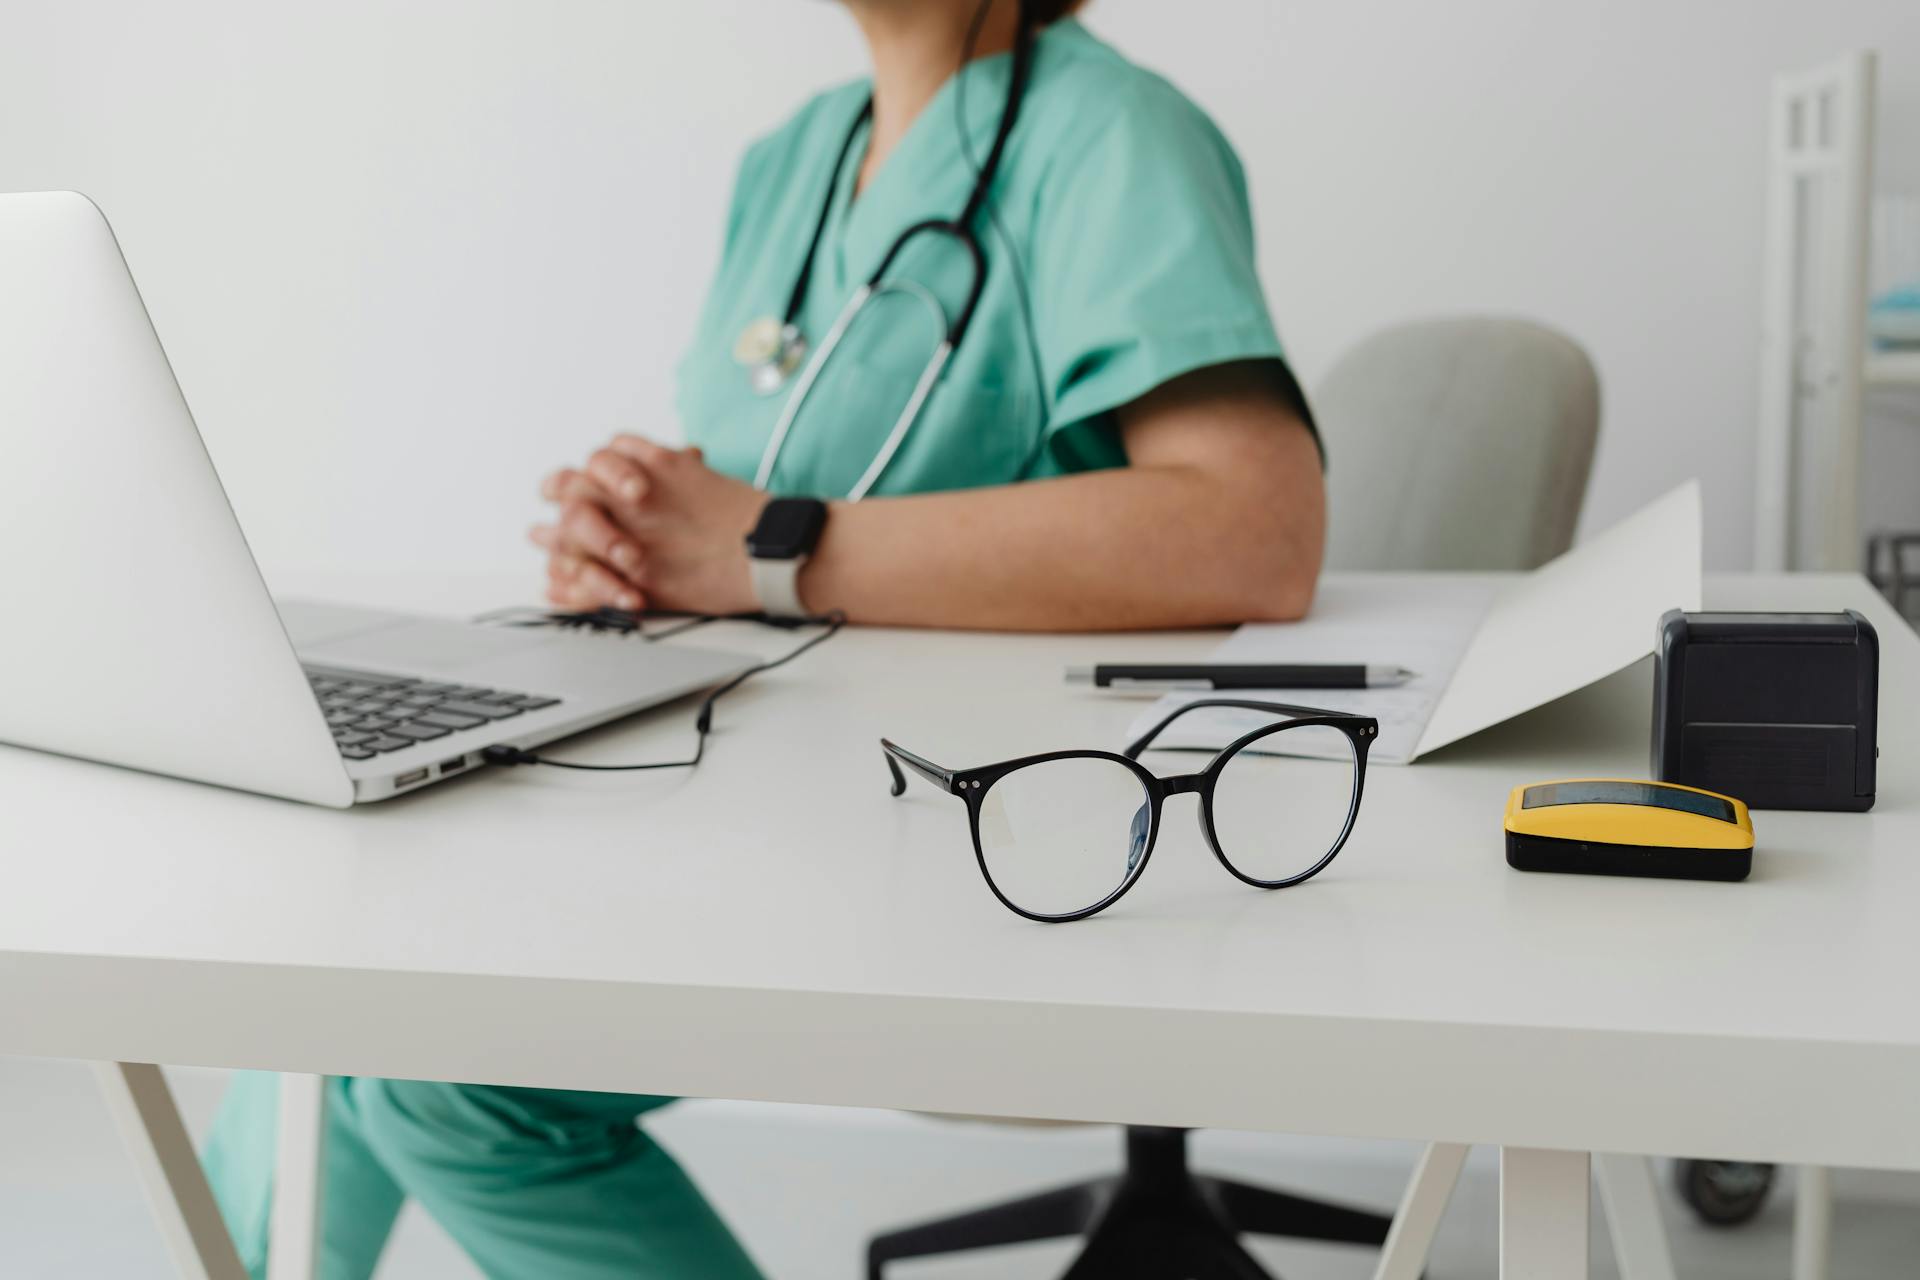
<point>643,526</point>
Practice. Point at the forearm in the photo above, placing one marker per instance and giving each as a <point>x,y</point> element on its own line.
<point>1137,547</point>
<point>1218,517</point>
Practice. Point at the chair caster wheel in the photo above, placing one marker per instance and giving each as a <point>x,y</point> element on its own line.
<point>1723,1193</point>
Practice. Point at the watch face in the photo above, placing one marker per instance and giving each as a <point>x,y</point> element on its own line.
<point>788,529</point>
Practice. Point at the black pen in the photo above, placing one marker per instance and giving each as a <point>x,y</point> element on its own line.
<point>1231,675</point>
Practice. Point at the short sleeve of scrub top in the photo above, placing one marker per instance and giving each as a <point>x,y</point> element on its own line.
<point>1143,269</point>
<point>1119,255</point>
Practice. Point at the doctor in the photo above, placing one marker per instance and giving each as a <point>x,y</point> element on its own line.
<point>1120,350</point>
<point>986,349</point>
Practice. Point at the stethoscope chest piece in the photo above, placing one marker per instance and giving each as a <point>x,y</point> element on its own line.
<point>771,351</point>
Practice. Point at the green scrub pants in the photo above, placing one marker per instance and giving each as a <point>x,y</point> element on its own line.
<point>535,1184</point>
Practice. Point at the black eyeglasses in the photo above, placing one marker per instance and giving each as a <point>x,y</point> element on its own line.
<point>1063,835</point>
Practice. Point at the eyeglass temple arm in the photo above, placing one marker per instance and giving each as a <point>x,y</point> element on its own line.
<point>1145,740</point>
<point>898,755</point>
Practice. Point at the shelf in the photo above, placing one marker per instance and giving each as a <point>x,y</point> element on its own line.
<point>1893,368</point>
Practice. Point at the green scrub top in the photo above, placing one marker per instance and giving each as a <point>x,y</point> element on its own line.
<point>1119,255</point>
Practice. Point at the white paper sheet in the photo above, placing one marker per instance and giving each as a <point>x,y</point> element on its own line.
<point>1420,622</point>
<point>1483,652</point>
<point>1576,619</point>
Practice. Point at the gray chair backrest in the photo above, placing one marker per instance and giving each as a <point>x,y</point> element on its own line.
<point>1457,444</point>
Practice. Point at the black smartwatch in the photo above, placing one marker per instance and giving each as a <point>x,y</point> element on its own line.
<point>788,531</point>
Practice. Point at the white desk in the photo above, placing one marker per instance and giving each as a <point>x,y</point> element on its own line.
<point>775,926</point>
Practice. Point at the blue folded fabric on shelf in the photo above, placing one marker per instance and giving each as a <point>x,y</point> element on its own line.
<point>1894,318</point>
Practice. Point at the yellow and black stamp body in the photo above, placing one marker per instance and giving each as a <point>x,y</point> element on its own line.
<point>1626,827</point>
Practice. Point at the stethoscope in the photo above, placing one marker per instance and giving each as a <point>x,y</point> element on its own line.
<point>773,350</point>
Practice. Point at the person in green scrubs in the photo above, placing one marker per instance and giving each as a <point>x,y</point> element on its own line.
<point>1116,443</point>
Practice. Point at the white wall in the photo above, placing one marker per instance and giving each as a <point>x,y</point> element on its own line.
<point>408,255</point>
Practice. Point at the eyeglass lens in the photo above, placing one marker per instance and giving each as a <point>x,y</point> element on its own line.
<point>1277,816</point>
<point>1061,836</point>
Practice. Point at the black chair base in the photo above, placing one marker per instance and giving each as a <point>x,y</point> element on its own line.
<point>1156,1220</point>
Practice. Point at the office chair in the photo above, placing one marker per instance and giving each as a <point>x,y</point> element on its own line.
<point>1452,444</point>
<point>1458,443</point>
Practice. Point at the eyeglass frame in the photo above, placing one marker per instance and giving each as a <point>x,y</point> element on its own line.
<point>973,785</point>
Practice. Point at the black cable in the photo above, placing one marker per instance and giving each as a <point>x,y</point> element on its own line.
<point>698,621</point>
<point>626,622</point>
<point>703,721</point>
<point>622,621</point>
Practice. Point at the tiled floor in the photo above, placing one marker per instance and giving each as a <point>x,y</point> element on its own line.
<point>805,1186</point>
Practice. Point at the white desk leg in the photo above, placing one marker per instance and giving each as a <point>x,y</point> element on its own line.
<point>190,1224</point>
<point>294,1251</point>
<point>1543,1214</point>
<point>1410,1240</point>
<point>1812,1222</point>
<point>1633,1216</point>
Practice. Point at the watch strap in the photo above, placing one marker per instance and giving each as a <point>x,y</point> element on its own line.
<point>778,547</point>
<point>776,585</point>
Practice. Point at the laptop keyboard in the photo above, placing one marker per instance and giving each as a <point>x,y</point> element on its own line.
<point>371,714</point>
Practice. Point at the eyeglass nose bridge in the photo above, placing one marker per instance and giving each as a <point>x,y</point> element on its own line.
<point>1183,784</point>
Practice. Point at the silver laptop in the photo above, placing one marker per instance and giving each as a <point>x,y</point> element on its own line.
<point>136,629</point>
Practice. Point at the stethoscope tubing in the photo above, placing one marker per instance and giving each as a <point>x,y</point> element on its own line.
<point>904,423</point>
<point>791,410</point>
<point>923,388</point>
